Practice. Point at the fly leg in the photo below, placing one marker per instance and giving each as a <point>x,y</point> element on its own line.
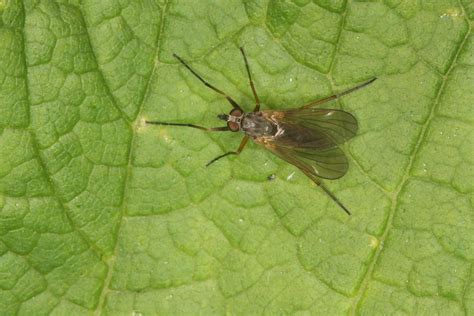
<point>338,95</point>
<point>320,184</point>
<point>257,100</point>
<point>241,147</point>
<point>209,129</point>
<point>333,197</point>
<point>207,84</point>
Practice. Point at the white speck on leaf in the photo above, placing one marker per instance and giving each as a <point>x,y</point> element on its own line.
<point>290,176</point>
<point>373,242</point>
<point>141,124</point>
<point>164,135</point>
<point>452,13</point>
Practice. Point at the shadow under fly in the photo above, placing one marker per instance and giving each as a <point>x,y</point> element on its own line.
<point>306,137</point>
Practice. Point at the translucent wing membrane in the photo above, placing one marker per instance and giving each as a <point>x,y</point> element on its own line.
<point>328,163</point>
<point>309,139</point>
<point>339,126</point>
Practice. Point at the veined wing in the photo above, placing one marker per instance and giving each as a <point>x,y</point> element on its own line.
<point>309,138</point>
<point>330,163</point>
<point>337,125</point>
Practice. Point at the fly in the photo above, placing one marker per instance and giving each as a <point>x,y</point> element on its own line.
<point>306,137</point>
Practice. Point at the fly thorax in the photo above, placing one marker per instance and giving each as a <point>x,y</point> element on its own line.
<point>255,125</point>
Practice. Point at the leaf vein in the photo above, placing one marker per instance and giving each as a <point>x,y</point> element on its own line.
<point>110,262</point>
<point>368,275</point>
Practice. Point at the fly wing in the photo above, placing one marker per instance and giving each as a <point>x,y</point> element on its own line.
<point>337,125</point>
<point>309,139</point>
<point>328,163</point>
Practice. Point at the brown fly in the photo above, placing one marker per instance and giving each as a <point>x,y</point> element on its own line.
<point>306,137</point>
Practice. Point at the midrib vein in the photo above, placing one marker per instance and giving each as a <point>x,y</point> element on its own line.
<point>112,259</point>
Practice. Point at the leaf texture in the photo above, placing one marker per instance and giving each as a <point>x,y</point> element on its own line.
<point>102,214</point>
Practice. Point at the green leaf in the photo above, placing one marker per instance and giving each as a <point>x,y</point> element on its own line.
<point>103,214</point>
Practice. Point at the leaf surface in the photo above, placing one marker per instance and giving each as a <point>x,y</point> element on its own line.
<point>103,214</point>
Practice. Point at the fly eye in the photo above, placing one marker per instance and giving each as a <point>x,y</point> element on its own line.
<point>233,126</point>
<point>236,112</point>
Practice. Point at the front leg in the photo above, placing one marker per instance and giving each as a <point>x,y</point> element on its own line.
<point>241,147</point>
<point>338,95</point>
